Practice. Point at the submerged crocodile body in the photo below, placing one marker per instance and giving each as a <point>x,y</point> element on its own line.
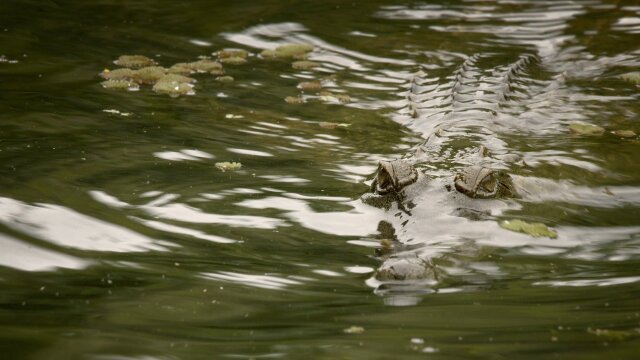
<point>461,154</point>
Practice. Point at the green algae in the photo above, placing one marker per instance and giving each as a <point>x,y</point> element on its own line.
<point>134,61</point>
<point>533,229</point>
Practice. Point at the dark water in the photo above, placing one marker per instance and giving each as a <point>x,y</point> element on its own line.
<point>120,239</point>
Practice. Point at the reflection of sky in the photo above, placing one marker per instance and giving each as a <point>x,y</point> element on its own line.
<point>65,227</point>
<point>362,220</point>
<point>24,256</point>
<point>272,282</point>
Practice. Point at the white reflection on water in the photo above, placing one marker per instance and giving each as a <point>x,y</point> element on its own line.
<point>262,281</point>
<point>249,152</point>
<point>185,231</point>
<point>162,209</point>
<point>23,256</point>
<point>359,221</point>
<point>185,154</point>
<point>591,282</point>
<point>65,227</point>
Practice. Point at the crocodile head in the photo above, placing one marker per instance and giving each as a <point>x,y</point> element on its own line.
<point>482,182</point>
<point>393,176</point>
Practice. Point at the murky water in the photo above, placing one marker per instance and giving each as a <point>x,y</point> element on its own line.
<point>122,240</point>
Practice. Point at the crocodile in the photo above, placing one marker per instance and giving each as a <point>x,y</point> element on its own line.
<point>461,152</point>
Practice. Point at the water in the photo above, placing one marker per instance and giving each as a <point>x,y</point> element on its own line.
<point>122,240</point>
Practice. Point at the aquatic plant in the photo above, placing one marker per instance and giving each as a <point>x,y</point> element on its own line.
<point>134,61</point>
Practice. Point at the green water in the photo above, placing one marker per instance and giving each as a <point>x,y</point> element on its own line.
<point>120,239</point>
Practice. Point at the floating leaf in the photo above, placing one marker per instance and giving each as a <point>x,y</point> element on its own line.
<point>228,166</point>
<point>585,129</point>
<point>533,229</point>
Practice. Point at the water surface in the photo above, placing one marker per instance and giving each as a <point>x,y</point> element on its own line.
<point>121,239</point>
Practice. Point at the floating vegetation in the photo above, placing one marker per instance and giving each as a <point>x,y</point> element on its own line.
<point>332,125</point>
<point>310,85</point>
<point>149,75</point>
<point>585,129</point>
<point>304,65</point>
<point>205,65</point>
<point>624,133</point>
<point>294,100</point>
<point>134,61</point>
<point>117,74</point>
<point>616,335</point>
<point>120,85</point>
<point>234,60</point>
<point>178,78</point>
<point>633,77</point>
<point>231,53</point>
<point>225,78</point>
<point>354,330</point>
<point>331,97</point>
<point>296,51</point>
<point>533,229</point>
<point>181,69</point>
<point>173,88</point>
<point>228,166</point>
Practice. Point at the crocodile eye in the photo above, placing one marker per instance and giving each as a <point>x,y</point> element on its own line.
<point>488,184</point>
